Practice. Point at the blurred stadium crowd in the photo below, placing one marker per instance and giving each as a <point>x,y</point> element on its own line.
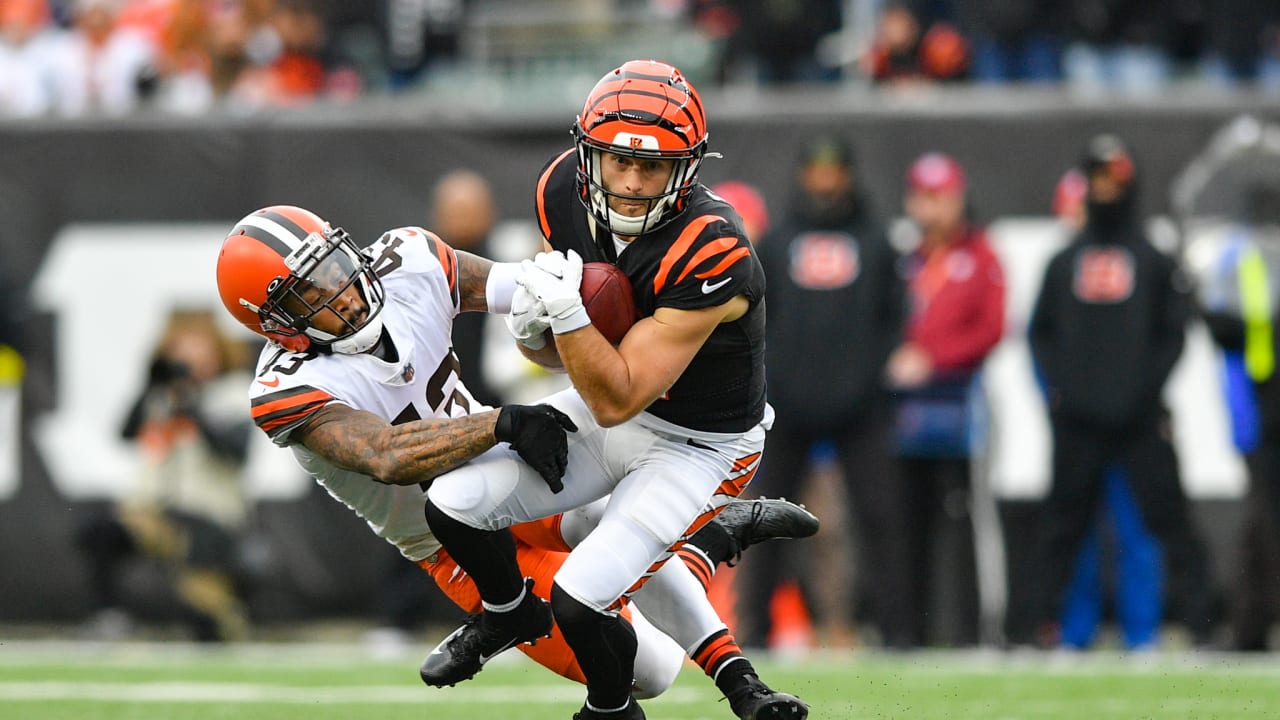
<point>81,57</point>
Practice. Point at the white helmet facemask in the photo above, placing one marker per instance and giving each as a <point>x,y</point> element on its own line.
<point>660,204</point>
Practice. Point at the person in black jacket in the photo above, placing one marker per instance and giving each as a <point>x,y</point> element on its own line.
<point>835,311</point>
<point>1107,329</point>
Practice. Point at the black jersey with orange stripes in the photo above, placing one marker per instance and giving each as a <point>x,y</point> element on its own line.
<point>700,259</point>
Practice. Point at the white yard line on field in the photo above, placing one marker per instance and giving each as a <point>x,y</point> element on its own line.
<point>251,693</point>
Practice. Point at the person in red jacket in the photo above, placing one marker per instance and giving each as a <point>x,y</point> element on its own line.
<point>955,318</point>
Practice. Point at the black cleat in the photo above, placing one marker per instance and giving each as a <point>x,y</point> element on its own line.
<point>757,701</point>
<point>483,637</point>
<point>631,712</point>
<point>754,521</point>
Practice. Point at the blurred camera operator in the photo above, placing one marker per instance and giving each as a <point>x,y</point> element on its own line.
<point>187,507</point>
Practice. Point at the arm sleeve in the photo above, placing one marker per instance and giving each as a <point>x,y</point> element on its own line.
<point>1041,330</point>
<point>1171,329</point>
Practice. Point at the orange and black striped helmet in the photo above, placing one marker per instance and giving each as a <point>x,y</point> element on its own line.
<point>644,108</point>
<point>281,266</point>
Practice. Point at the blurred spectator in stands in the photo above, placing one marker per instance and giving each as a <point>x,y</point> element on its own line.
<point>956,317</point>
<point>25,35</point>
<point>396,44</point>
<point>274,55</point>
<point>777,41</point>
<point>835,309</point>
<point>1013,40</point>
<point>1238,298</point>
<point>1118,45</point>
<point>1107,329</point>
<point>180,30</point>
<point>749,203</point>
<point>188,508</point>
<point>903,53</point>
<point>98,66</point>
<point>1120,559</point>
<point>296,75</point>
<point>1243,38</point>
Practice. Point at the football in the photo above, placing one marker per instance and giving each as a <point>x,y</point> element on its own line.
<point>607,296</point>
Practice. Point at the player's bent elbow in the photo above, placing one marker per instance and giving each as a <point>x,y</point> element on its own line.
<point>389,472</point>
<point>610,414</point>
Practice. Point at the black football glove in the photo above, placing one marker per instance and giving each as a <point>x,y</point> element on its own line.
<point>538,434</point>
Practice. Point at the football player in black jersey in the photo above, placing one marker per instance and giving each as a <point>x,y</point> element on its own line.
<point>676,411</point>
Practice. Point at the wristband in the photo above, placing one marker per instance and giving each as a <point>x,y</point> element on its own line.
<point>500,287</point>
<point>575,320</point>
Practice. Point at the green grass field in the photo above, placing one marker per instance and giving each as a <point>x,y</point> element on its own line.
<point>61,681</point>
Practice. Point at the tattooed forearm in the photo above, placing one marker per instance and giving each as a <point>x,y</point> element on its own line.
<point>473,274</point>
<point>401,454</point>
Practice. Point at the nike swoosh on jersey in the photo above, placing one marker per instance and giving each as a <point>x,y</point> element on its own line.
<point>273,382</point>
<point>709,287</point>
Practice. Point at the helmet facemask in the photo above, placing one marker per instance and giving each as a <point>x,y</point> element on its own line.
<point>662,207</point>
<point>322,271</point>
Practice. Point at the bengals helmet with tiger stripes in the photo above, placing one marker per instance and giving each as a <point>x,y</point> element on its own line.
<point>281,266</point>
<point>644,109</point>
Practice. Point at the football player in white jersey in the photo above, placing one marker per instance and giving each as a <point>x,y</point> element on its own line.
<point>360,381</point>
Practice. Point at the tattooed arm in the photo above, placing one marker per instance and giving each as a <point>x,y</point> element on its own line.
<point>402,454</point>
<point>473,276</point>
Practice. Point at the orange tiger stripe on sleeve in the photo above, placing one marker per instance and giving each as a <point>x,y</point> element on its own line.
<point>710,250</point>
<point>278,410</point>
<point>542,194</point>
<point>679,248</point>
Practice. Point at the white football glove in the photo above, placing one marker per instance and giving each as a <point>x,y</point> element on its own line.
<point>555,279</point>
<point>528,319</point>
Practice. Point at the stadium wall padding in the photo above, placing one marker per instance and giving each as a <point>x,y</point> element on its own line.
<point>371,173</point>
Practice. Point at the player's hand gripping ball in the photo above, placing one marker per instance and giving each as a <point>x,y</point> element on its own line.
<point>609,304</point>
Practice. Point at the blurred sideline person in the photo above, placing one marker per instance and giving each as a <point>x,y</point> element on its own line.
<point>749,203</point>
<point>835,311</point>
<point>360,382</point>
<point>1238,300</point>
<point>1119,554</point>
<point>463,215</point>
<point>189,508</point>
<point>672,421</point>
<point>956,317</point>
<point>1107,329</point>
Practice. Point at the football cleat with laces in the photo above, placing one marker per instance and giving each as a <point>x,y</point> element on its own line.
<point>757,701</point>
<point>754,521</point>
<point>483,637</point>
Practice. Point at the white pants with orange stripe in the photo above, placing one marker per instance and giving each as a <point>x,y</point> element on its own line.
<point>665,482</point>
